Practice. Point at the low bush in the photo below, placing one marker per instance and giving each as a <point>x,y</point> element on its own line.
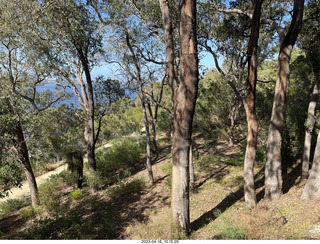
<point>11,205</point>
<point>117,160</point>
<point>49,193</point>
<point>30,212</point>
<point>134,186</point>
<point>76,194</point>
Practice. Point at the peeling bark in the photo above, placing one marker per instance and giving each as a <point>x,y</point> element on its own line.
<point>252,138</point>
<point>273,172</point>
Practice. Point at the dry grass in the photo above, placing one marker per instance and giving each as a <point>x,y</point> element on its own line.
<point>217,207</point>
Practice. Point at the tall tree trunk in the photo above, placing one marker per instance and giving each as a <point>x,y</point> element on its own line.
<point>23,154</point>
<point>273,172</point>
<point>312,187</point>
<point>250,156</point>
<point>311,119</point>
<point>148,139</point>
<point>184,105</point>
<point>89,109</point>
<point>153,127</point>
<point>89,138</point>
<point>170,59</point>
<point>143,104</point>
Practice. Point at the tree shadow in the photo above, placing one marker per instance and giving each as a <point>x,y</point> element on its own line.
<point>233,197</point>
<point>227,202</point>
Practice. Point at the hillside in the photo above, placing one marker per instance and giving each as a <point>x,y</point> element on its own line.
<point>133,210</point>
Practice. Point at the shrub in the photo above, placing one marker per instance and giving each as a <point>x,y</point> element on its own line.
<point>123,154</point>
<point>68,177</point>
<point>134,186</point>
<point>11,205</point>
<point>48,193</point>
<point>76,194</point>
<point>30,212</point>
<point>95,180</point>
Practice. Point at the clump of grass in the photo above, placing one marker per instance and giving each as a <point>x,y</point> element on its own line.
<point>76,194</point>
<point>158,229</point>
<point>228,230</point>
<point>30,212</point>
<point>11,205</point>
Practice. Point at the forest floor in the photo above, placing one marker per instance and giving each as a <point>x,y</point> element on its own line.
<point>217,208</point>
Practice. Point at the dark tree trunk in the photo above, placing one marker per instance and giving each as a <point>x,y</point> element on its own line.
<point>184,104</point>
<point>311,119</point>
<point>250,156</point>
<point>153,127</point>
<point>148,138</point>
<point>89,109</point>
<point>23,154</point>
<point>273,172</point>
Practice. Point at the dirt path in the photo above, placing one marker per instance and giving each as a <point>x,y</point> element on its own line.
<point>25,191</point>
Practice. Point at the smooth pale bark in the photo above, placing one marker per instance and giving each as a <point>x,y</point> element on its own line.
<point>23,154</point>
<point>311,119</point>
<point>273,172</point>
<point>89,133</point>
<point>252,138</point>
<point>312,187</point>
<point>184,105</point>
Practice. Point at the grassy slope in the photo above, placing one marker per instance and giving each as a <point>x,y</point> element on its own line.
<point>133,210</point>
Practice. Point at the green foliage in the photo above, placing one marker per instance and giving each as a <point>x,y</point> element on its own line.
<point>76,194</point>
<point>117,160</point>
<point>49,195</point>
<point>68,177</point>
<point>69,224</point>
<point>11,205</point>
<point>132,187</point>
<point>95,180</point>
<point>125,119</point>
<point>30,212</point>
<point>11,174</point>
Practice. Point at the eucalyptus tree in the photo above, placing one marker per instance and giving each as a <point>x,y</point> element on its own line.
<point>308,42</point>
<point>23,68</point>
<point>134,48</point>
<point>252,138</point>
<point>71,30</point>
<point>273,169</point>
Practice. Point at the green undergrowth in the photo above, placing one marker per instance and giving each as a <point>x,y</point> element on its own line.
<point>11,205</point>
